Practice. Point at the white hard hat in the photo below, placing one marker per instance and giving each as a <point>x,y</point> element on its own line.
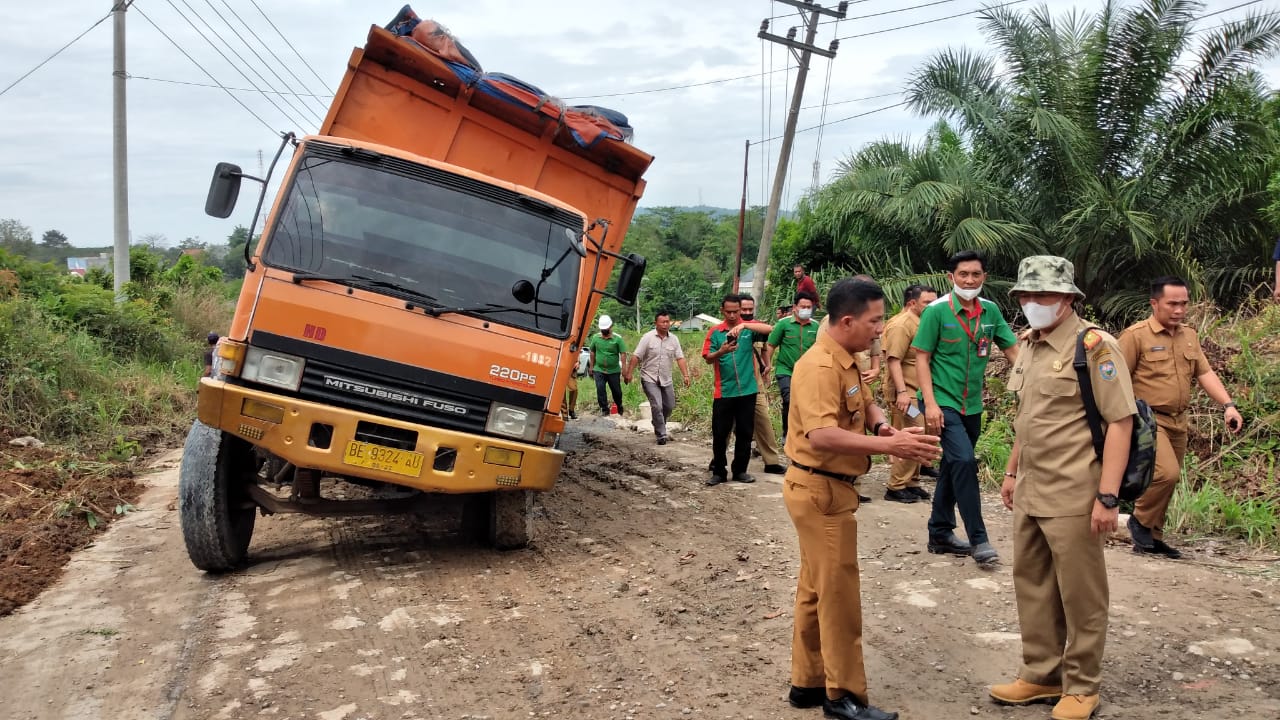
<point>606,322</point>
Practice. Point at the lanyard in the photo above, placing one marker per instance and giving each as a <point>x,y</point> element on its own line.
<point>964,322</point>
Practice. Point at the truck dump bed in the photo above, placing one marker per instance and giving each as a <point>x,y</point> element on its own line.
<point>398,94</point>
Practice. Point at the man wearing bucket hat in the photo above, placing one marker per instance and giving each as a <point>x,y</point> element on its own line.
<point>1062,497</point>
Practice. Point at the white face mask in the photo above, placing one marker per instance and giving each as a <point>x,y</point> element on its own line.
<point>804,313</point>
<point>1040,316</point>
<point>966,293</point>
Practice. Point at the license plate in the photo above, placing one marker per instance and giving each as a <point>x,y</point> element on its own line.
<point>377,457</point>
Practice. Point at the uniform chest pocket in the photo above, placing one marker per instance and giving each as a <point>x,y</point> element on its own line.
<point>1158,361</point>
<point>854,402</point>
<point>1016,380</point>
<point>1059,387</point>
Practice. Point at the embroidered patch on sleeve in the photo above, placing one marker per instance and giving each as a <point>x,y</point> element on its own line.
<point>1107,370</point>
<point>1091,340</point>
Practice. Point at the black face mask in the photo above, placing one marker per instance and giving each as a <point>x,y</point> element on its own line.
<point>606,333</point>
<point>748,316</point>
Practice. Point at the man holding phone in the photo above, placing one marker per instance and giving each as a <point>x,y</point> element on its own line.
<point>727,349</point>
<point>900,388</point>
<point>1164,357</point>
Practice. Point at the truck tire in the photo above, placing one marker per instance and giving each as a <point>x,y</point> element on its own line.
<point>216,513</point>
<point>510,519</point>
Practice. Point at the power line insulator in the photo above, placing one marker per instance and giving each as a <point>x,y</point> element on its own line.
<point>791,34</point>
<point>764,25</point>
<point>835,45</point>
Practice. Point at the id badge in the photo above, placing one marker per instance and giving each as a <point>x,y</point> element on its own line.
<point>984,347</point>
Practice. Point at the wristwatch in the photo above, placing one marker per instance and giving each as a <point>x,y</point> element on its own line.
<point>1108,500</point>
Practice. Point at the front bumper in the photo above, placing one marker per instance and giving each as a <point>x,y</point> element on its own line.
<point>221,405</point>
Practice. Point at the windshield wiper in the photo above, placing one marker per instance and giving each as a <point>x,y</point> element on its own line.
<point>366,283</point>
<point>485,310</point>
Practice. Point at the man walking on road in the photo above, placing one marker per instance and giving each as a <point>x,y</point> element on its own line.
<point>608,355</point>
<point>791,337</point>
<point>953,344</point>
<point>1164,358</point>
<point>1063,497</point>
<point>654,354</point>
<point>832,410</point>
<point>766,440</point>
<point>900,388</point>
<point>727,349</point>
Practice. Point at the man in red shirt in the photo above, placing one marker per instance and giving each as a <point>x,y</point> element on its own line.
<point>804,283</point>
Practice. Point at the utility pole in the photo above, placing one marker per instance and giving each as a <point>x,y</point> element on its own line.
<point>811,12</point>
<point>742,219</point>
<point>120,153</point>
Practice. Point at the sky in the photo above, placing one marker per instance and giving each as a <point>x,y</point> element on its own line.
<point>56,124</point>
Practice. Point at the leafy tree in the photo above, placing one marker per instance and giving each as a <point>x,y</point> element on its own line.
<point>54,240</point>
<point>16,237</point>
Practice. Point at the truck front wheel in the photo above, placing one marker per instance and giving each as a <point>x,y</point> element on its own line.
<point>216,512</point>
<point>508,517</point>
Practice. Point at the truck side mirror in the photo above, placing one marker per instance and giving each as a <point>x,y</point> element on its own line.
<point>224,190</point>
<point>629,279</point>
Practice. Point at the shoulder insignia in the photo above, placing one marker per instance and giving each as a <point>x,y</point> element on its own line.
<point>1107,370</point>
<point>1091,339</point>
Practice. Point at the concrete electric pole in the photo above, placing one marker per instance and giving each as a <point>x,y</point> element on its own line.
<point>120,154</point>
<point>811,12</point>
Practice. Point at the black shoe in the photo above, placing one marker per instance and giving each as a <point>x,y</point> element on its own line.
<point>950,545</point>
<point>848,708</point>
<point>662,440</point>
<point>918,492</point>
<point>775,469</point>
<point>1160,548</point>
<point>930,472</point>
<point>743,478</point>
<point>1141,534</point>
<point>902,496</point>
<point>573,415</point>
<point>863,498</point>
<point>716,479</point>
<point>802,697</point>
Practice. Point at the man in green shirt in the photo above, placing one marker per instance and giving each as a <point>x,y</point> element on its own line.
<point>608,354</point>
<point>957,335</point>
<point>791,336</point>
<point>727,349</point>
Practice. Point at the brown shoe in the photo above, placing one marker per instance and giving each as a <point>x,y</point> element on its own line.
<point>1021,692</point>
<point>1075,707</point>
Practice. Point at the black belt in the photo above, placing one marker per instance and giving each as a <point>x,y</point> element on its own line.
<point>833,476</point>
<point>1168,414</point>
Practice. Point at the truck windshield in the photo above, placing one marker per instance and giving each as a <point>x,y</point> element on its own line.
<point>460,242</point>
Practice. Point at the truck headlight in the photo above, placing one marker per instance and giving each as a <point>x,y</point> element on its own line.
<point>272,368</point>
<point>513,422</point>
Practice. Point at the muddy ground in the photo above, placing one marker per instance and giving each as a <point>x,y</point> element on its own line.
<point>646,595</point>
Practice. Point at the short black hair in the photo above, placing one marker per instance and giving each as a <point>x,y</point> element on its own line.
<point>1158,285</point>
<point>798,265</point>
<point>661,313</point>
<point>851,297</point>
<point>805,295</point>
<point>743,297</point>
<point>914,291</point>
<point>964,256</point>
<point>730,298</point>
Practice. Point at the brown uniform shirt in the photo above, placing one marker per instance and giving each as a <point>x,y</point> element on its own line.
<point>1058,471</point>
<point>827,391</point>
<point>898,334</point>
<point>1163,364</point>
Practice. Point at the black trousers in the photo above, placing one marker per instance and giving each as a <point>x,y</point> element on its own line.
<point>737,414</point>
<point>614,383</point>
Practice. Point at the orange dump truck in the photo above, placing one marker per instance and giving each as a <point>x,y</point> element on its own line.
<point>412,313</point>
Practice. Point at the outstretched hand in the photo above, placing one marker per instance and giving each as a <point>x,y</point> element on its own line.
<point>914,445</point>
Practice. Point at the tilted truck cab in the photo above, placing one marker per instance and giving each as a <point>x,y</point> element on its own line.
<point>412,312</point>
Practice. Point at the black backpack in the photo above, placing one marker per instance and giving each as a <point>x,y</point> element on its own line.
<point>1142,446</point>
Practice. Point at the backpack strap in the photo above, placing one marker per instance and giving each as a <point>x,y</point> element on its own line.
<point>1081,364</point>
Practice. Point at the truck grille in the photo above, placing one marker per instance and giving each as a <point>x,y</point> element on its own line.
<point>387,396</point>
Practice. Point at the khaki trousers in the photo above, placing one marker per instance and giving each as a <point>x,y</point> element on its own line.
<point>766,442</point>
<point>1060,581</point>
<point>902,473</point>
<point>1171,447</point>
<point>826,644</point>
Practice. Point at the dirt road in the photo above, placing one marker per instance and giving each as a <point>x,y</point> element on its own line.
<point>647,595</point>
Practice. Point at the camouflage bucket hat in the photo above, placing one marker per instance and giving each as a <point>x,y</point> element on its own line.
<point>1046,273</point>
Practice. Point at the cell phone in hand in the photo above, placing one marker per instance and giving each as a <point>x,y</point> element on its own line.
<point>913,411</point>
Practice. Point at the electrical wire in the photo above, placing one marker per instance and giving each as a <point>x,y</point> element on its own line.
<point>675,87</point>
<point>277,58</point>
<point>935,20</point>
<point>206,72</point>
<point>323,84</point>
<point>56,53</point>
<point>131,76</point>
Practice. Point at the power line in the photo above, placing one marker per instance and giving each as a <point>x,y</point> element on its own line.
<point>264,44</point>
<point>323,84</point>
<point>224,87</point>
<point>678,87</point>
<point>206,72</point>
<point>935,20</point>
<point>55,54</point>
<point>1233,7</point>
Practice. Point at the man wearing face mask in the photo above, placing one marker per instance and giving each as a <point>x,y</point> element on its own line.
<point>1165,358</point>
<point>1063,497</point>
<point>766,440</point>
<point>791,337</point>
<point>608,355</point>
<point>957,334</point>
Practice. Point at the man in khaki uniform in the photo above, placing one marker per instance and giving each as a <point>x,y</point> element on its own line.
<point>1063,498</point>
<point>766,441</point>
<point>900,386</point>
<point>831,411</point>
<point>1164,357</point>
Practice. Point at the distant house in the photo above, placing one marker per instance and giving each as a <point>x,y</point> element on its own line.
<point>81,265</point>
<point>747,281</point>
<point>699,323</point>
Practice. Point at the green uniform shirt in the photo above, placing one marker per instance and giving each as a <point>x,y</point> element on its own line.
<point>792,338</point>
<point>735,373</point>
<point>956,342</point>
<point>607,351</point>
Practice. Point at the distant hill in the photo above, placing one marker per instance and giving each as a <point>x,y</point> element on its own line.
<point>716,213</point>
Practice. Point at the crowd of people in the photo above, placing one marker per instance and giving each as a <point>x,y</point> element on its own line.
<point>1061,481</point>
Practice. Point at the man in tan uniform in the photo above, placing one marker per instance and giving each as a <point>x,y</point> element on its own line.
<point>1063,498</point>
<point>831,412</point>
<point>899,388</point>
<point>1164,357</point>
<point>766,441</point>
